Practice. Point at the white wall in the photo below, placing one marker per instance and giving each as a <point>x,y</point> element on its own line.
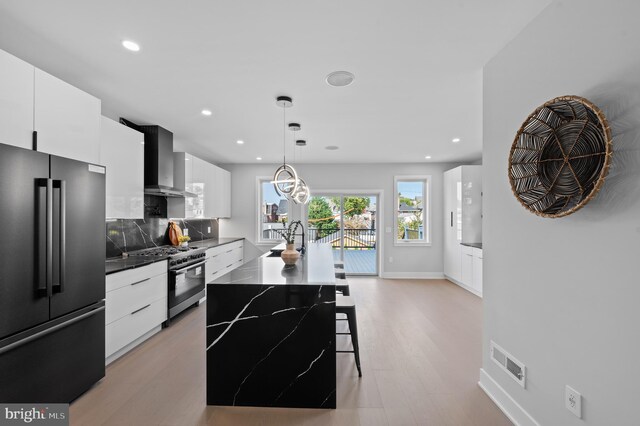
<point>563,295</point>
<point>408,261</point>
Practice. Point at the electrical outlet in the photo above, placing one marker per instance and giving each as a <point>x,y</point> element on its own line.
<point>573,401</point>
<point>208,229</point>
<point>390,259</point>
<point>387,229</point>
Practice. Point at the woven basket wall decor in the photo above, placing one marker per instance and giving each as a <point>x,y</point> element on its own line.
<point>560,156</point>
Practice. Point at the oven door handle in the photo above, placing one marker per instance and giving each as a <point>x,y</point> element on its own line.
<point>186,268</point>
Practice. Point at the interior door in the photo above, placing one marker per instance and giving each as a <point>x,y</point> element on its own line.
<point>23,248</point>
<point>79,235</point>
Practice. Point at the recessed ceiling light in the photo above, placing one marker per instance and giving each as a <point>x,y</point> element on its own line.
<point>427,157</point>
<point>131,45</point>
<point>239,142</point>
<point>331,147</point>
<point>206,112</point>
<point>455,140</point>
<point>259,158</point>
<point>340,78</point>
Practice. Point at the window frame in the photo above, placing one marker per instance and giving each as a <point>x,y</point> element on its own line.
<point>426,212</point>
<point>258,208</point>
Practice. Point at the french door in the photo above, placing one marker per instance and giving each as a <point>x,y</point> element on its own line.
<point>349,223</point>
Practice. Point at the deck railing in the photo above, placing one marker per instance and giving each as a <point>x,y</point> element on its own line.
<point>353,238</point>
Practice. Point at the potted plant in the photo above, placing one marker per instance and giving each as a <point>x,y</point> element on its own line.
<point>290,255</point>
<point>184,240</point>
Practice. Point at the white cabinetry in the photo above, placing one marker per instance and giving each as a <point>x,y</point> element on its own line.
<point>463,221</point>
<point>476,281</point>
<point>218,198</point>
<point>471,266</point>
<point>136,306</point>
<point>453,223</point>
<point>223,259</point>
<point>210,183</point>
<point>66,119</point>
<point>466,265</point>
<point>16,101</point>
<point>122,152</point>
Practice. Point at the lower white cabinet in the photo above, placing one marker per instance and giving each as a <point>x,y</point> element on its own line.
<point>477,270</point>
<point>136,303</point>
<point>471,269</point>
<point>223,259</point>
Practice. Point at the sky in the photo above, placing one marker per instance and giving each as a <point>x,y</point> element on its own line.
<point>410,189</point>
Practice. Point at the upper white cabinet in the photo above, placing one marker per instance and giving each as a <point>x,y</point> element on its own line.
<point>463,217</point>
<point>16,101</point>
<point>218,201</point>
<point>122,152</point>
<point>67,119</point>
<point>210,183</point>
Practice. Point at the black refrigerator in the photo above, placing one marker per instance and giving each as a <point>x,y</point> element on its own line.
<point>52,276</point>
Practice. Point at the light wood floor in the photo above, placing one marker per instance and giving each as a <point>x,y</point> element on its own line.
<point>421,355</point>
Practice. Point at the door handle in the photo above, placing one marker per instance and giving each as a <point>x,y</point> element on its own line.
<point>452,219</point>
<point>49,260</point>
<point>62,186</point>
<point>45,261</point>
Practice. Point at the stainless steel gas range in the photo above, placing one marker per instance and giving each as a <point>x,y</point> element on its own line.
<point>186,276</point>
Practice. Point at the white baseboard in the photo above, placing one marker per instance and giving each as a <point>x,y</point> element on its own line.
<point>504,401</point>
<point>466,287</point>
<point>413,275</point>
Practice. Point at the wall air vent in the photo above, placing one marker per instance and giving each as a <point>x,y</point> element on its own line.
<point>508,363</point>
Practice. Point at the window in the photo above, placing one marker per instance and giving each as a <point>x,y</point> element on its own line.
<point>412,204</point>
<point>272,212</point>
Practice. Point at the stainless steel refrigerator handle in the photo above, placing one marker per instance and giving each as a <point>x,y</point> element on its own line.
<point>49,273</point>
<point>186,268</point>
<point>49,330</point>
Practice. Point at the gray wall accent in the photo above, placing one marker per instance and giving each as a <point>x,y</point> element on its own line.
<point>409,261</point>
<point>562,295</point>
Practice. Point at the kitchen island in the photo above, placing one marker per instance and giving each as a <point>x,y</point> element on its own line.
<point>271,333</point>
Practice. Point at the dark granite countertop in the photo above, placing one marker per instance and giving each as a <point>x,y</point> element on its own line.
<point>474,245</point>
<point>314,268</point>
<point>117,264</point>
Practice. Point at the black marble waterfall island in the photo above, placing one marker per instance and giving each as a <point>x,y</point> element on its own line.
<point>271,333</point>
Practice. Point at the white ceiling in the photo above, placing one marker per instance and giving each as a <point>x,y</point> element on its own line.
<point>418,67</point>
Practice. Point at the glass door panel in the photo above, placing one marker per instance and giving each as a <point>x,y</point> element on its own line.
<point>348,223</point>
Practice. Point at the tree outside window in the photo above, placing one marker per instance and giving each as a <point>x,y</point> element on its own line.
<point>411,201</point>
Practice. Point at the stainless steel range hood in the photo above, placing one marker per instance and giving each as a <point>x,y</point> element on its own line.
<point>158,161</point>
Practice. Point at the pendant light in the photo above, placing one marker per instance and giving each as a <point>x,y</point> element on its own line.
<point>285,179</point>
<point>301,195</point>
